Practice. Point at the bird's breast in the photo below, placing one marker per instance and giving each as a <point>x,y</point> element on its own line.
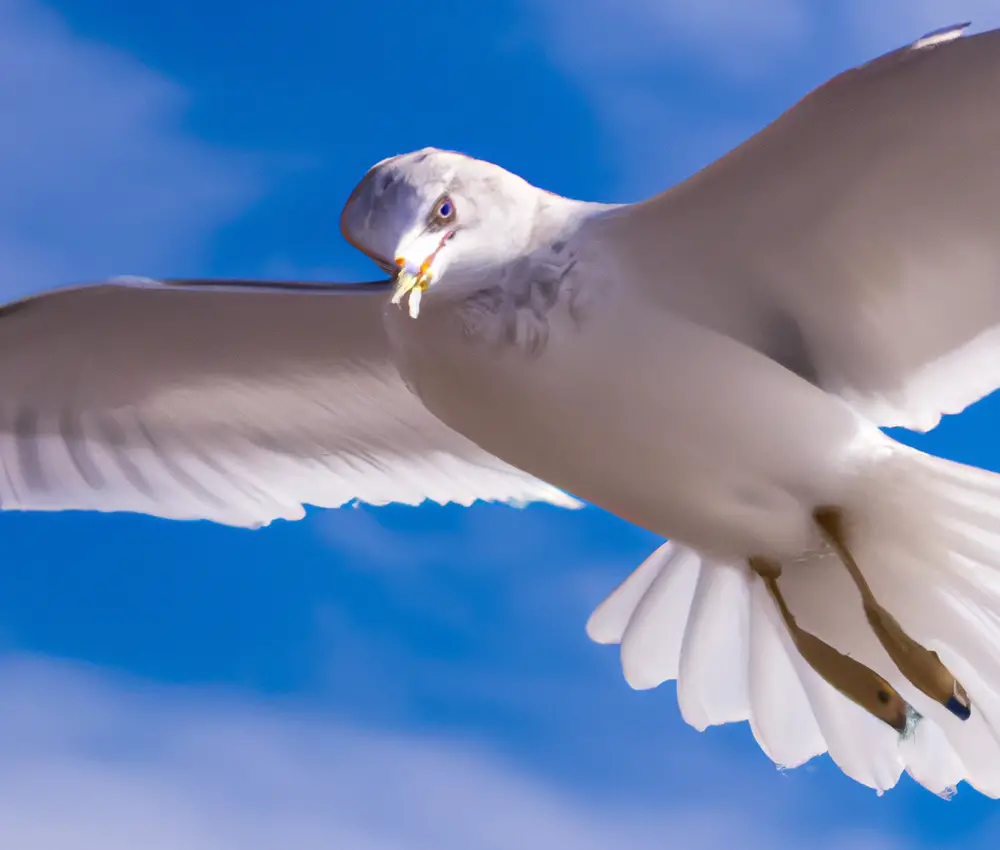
<point>663,422</point>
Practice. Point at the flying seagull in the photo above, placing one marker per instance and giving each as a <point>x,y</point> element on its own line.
<point>714,364</point>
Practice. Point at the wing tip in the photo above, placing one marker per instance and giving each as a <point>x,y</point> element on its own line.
<point>941,35</point>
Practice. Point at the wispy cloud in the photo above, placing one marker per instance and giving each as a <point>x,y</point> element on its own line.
<point>738,40</point>
<point>662,75</point>
<point>678,84</point>
<point>97,176</point>
<point>617,39</point>
<point>93,763</point>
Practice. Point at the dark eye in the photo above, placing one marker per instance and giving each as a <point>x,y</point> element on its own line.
<point>444,211</point>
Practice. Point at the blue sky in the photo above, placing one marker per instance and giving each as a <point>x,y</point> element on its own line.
<point>392,679</point>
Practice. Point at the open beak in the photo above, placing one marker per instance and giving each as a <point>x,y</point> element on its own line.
<point>409,283</point>
<point>412,278</point>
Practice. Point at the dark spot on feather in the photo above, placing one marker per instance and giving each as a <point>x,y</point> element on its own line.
<point>181,475</point>
<point>72,434</point>
<point>26,436</point>
<point>114,434</point>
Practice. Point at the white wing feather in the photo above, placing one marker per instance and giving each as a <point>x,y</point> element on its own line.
<point>856,238</point>
<point>234,406</point>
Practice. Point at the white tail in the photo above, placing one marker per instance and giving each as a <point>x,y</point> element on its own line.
<point>926,534</point>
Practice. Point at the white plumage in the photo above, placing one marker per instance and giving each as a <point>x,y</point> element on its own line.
<point>236,406</point>
<point>713,364</point>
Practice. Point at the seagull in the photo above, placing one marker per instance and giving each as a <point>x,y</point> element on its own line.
<point>715,364</point>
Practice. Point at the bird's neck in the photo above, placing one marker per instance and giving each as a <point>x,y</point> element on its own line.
<point>558,220</point>
<point>511,302</point>
<point>513,305</point>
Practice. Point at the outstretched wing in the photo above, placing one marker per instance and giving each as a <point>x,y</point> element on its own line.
<point>233,401</point>
<point>864,226</point>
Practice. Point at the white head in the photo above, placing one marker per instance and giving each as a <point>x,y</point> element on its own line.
<point>441,218</point>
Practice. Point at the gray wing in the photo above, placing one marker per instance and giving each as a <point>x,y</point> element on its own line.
<point>862,227</point>
<point>233,401</point>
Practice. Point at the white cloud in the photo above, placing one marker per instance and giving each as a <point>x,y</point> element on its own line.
<point>96,174</point>
<point>680,83</point>
<point>90,763</point>
<point>744,41</point>
<point>662,74</point>
<point>606,38</point>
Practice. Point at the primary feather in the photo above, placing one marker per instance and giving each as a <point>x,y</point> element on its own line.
<point>855,237</point>
<point>237,406</point>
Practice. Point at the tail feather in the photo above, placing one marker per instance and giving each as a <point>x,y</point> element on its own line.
<point>651,644</point>
<point>713,685</point>
<point>781,715</point>
<point>926,533</point>
<point>863,747</point>
<point>931,760</point>
<point>974,741</point>
<point>608,622</point>
<point>938,570</point>
<point>921,602</point>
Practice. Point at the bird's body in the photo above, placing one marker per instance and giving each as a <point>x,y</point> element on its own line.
<point>685,440</point>
<point>714,364</point>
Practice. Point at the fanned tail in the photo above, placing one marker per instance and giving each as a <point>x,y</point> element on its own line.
<point>926,534</point>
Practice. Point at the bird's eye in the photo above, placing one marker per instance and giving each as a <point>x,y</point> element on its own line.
<point>444,210</point>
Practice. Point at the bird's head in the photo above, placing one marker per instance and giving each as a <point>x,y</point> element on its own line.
<point>439,220</point>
